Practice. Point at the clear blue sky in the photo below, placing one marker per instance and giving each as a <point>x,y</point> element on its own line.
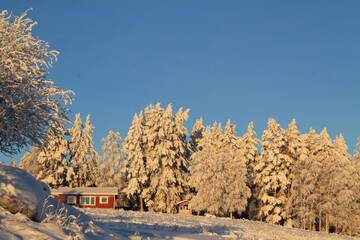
<point>244,60</point>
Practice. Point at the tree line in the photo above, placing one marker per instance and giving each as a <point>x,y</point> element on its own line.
<point>305,180</point>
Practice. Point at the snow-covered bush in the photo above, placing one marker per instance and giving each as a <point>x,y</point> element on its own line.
<point>60,215</point>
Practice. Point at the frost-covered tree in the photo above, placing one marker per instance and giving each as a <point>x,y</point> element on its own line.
<point>30,103</point>
<point>305,173</point>
<point>229,137</point>
<point>296,151</point>
<point>341,147</point>
<point>250,156</point>
<point>219,174</point>
<point>205,171</point>
<point>322,186</point>
<point>29,162</point>
<point>196,134</point>
<point>76,138</point>
<point>272,174</point>
<point>134,149</point>
<point>157,151</point>
<point>53,158</point>
<point>112,164</point>
<point>168,163</point>
<point>90,155</point>
<point>357,150</point>
<point>83,155</point>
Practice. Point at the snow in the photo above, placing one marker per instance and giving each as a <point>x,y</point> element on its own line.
<point>20,191</point>
<point>148,225</point>
<point>18,226</point>
<point>23,198</point>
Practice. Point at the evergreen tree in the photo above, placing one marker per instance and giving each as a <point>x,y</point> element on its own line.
<point>272,174</point>
<point>83,154</point>
<point>229,137</point>
<point>76,156</point>
<point>138,177</point>
<point>90,155</point>
<point>357,150</point>
<point>341,147</point>
<point>250,157</point>
<point>296,151</point>
<point>53,158</point>
<point>157,151</point>
<point>196,134</point>
<point>168,181</point>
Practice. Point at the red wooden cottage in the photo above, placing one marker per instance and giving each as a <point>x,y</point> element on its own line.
<point>87,197</point>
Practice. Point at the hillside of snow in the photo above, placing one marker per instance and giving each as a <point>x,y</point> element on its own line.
<point>27,211</point>
<point>175,226</point>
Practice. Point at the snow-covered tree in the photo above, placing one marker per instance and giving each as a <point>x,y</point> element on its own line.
<point>29,162</point>
<point>341,147</point>
<point>30,103</point>
<point>272,174</point>
<point>229,137</point>
<point>357,150</point>
<point>157,152</point>
<point>112,164</point>
<point>168,164</point>
<point>250,156</point>
<point>219,173</point>
<point>196,134</point>
<point>134,149</point>
<point>53,158</point>
<point>83,155</point>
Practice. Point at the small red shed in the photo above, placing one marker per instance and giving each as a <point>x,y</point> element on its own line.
<point>183,207</point>
<point>87,197</point>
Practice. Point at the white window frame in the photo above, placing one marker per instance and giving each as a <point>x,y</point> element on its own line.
<point>72,197</point>
<point>83,201</point>
<point>101,200</point>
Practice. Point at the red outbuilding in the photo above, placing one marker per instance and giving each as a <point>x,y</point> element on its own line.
<point>87,197</point>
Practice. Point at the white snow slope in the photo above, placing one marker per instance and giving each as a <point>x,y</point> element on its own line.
<point>147,225</point>
<point>22,198</point>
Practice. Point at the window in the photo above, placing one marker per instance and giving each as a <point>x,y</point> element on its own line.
<point>87,200</point>
<point>104,200</point>
<point>71,199</point>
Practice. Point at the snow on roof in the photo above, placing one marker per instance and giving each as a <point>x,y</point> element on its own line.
<point>183,201</point>
<point>86,190</point>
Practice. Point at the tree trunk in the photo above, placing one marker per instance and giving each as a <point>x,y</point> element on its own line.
<point>231,215</point>
<point>320,221</point>
<point>327,223</point>
<point>141,204</point>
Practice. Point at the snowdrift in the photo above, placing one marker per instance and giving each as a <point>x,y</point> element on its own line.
<point>21,194</point>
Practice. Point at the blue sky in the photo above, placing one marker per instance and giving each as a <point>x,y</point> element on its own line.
<point>244,60</point>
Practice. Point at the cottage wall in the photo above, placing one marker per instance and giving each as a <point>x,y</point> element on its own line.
<point>111,201</point>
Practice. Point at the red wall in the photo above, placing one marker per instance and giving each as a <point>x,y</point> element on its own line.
<point>110,204</point>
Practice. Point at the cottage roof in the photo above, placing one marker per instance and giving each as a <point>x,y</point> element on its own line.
<point>183,202</point>
<point>86,190</point>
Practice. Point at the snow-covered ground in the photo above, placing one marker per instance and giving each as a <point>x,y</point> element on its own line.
<point>170,226</point>
<point>18,226</point>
